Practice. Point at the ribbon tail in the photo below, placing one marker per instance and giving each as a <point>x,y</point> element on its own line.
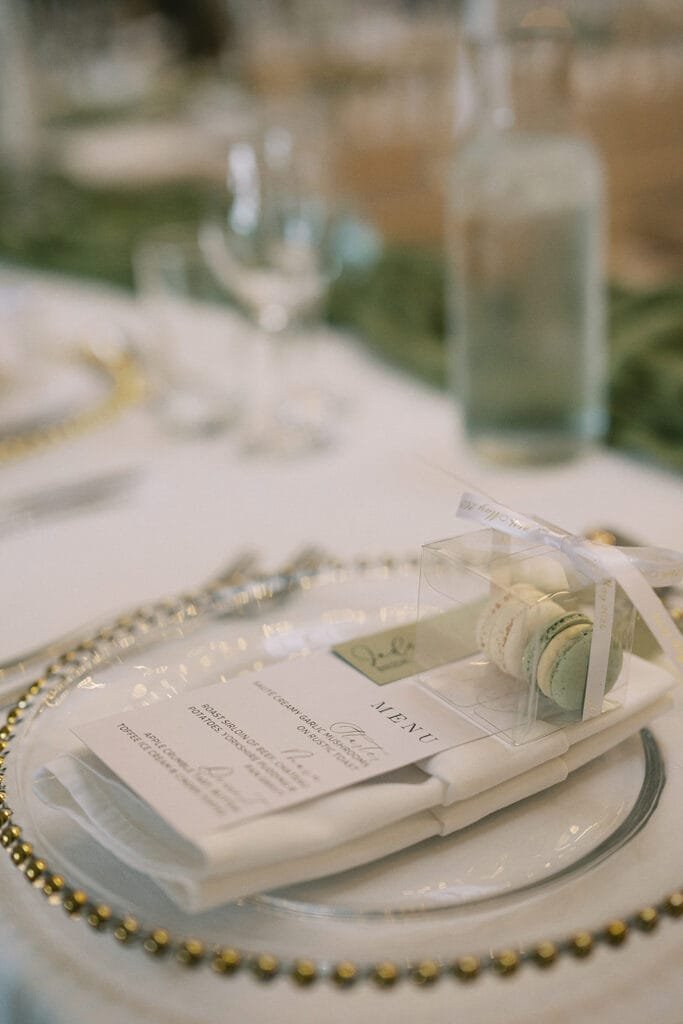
<point>649,606</point>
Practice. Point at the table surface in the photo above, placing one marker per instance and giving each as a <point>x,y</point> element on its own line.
<point>390,483</point>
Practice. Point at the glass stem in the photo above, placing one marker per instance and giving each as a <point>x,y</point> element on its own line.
<point>261,416</point>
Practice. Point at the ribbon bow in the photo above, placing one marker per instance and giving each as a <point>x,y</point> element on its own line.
<point>636,570</point>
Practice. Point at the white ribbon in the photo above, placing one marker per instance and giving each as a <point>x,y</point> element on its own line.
<point>636,570</point>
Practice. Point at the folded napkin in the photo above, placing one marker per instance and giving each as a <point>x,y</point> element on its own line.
<point>341,830</point>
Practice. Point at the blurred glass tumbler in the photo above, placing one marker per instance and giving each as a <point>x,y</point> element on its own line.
<point>190,348</point>
<point>526,238</point>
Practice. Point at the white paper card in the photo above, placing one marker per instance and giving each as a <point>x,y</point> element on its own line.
<point>221,754</point>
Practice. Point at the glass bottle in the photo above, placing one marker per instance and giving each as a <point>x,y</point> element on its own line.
<point>526,218</point>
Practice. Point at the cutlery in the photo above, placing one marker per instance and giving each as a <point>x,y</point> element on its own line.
<point>240,571</point>
<point>32,424</point>
<point>235,572</point>
<point>67,498</point>
<point>217,593</point>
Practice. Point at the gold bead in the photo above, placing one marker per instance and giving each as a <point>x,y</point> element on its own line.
<point>35,869</point>
<point>616,932</point>
<point>600,536</point>
<point>17,445</point>
<point>74,902</point>
<point>265,966</point>
<point>385,973</point>
<point>98,916</point>
<point>467,968</point>
<point>345,973</point>
<point>157,942</point>
<point>674,903</point>
<point>9,835</point>
<point>190,952</point>
<point>581,944</point>
<point>35,688</point>
<point>14,715</point>
<point>426,972</point>
<point>21,852</point>
<point>3,746</point>
<point>226,960</point>
<point>545,954</point>
<point>127,929</point>
<point>2,763</point>
<point>6,732</point>
<point>53,886</point>
<point>5,815</point>
<point>3,796</point>
<point>647,919</point>
<point>304,972</point>
<point>506,962</point>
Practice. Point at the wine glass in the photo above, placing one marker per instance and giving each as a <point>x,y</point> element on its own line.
<point>273,252</point>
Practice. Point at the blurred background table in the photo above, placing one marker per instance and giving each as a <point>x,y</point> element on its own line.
<point>117,119</point>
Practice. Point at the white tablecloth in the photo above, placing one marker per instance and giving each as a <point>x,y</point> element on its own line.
<point>390,484</point>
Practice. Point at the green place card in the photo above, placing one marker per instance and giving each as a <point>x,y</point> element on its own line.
<point>383,657</point>
<point>412,647</point>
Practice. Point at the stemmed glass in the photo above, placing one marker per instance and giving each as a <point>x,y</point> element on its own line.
<point>272,252</point>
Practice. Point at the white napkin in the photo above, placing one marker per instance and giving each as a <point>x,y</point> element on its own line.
<point>341,830</point>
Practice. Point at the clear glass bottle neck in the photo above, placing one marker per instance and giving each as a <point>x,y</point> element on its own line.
<point>519,83</point>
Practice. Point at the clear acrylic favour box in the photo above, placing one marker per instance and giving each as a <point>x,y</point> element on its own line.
<point>489,606</point>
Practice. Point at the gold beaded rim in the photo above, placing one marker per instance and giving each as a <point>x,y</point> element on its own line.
<point>126,387</point>
<point>228,960</point>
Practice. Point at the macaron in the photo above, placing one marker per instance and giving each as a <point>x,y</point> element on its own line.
<point>526,621</point>
<point>539,641</point>
<point>554,650</point>
<point>506,622</point>
<point>485,620</point>
<point>561,654</point>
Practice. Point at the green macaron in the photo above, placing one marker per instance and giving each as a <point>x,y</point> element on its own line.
<point>568,674</point>
<point>540,640</point>
<point>558,659</point>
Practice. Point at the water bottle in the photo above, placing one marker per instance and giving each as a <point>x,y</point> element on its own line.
<point>526,222</point>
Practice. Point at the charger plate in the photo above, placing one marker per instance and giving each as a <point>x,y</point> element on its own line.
<point>570,858</point>
<point>66,395</point>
